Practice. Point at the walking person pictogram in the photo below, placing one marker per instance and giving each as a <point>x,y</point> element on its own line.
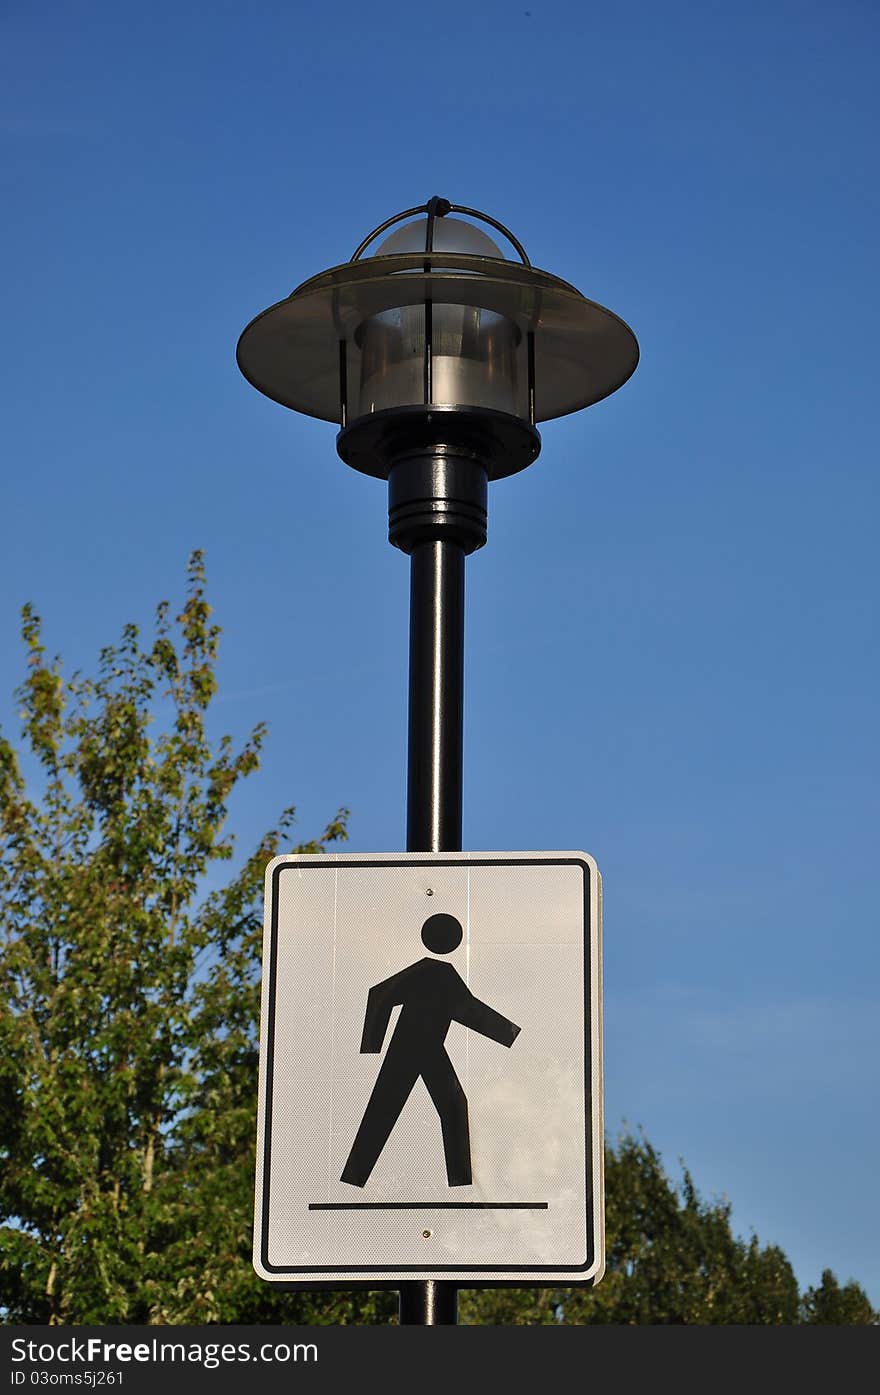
<point>431,996</point>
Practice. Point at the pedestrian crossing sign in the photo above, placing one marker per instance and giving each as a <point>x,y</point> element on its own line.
<point>430,1098</point>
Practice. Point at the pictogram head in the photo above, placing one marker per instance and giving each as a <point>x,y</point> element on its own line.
<point>441,934</point>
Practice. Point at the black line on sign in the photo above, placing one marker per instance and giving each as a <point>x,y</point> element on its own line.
<point>428,1205</point>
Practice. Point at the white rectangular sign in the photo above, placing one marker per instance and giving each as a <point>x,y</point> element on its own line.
<point>430,1069</point>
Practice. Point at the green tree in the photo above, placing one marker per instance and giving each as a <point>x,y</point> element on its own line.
<point>843,1305</point>
<point>673,1257</point>
<point>129,995</point>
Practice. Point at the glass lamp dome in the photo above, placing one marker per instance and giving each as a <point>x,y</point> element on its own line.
<point>473,356</point>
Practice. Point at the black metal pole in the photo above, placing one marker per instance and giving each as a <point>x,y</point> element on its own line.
<point>436,513</point>
<point>434,776</point>
<point>436,697</point>
<point>430,1303</point>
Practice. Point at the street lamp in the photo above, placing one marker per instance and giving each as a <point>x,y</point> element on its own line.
<point>437,355</point>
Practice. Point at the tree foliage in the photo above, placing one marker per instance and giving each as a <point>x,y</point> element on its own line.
<point>129,1000</point>
<point>840,1304</point>
<point>129,995</point>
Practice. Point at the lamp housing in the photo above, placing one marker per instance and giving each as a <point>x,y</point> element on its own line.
<point>436,336</point>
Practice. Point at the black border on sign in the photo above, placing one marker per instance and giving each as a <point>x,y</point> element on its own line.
<point>481,1272</point>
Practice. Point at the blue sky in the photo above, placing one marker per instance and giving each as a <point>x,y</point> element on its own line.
<point>671,643</point>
